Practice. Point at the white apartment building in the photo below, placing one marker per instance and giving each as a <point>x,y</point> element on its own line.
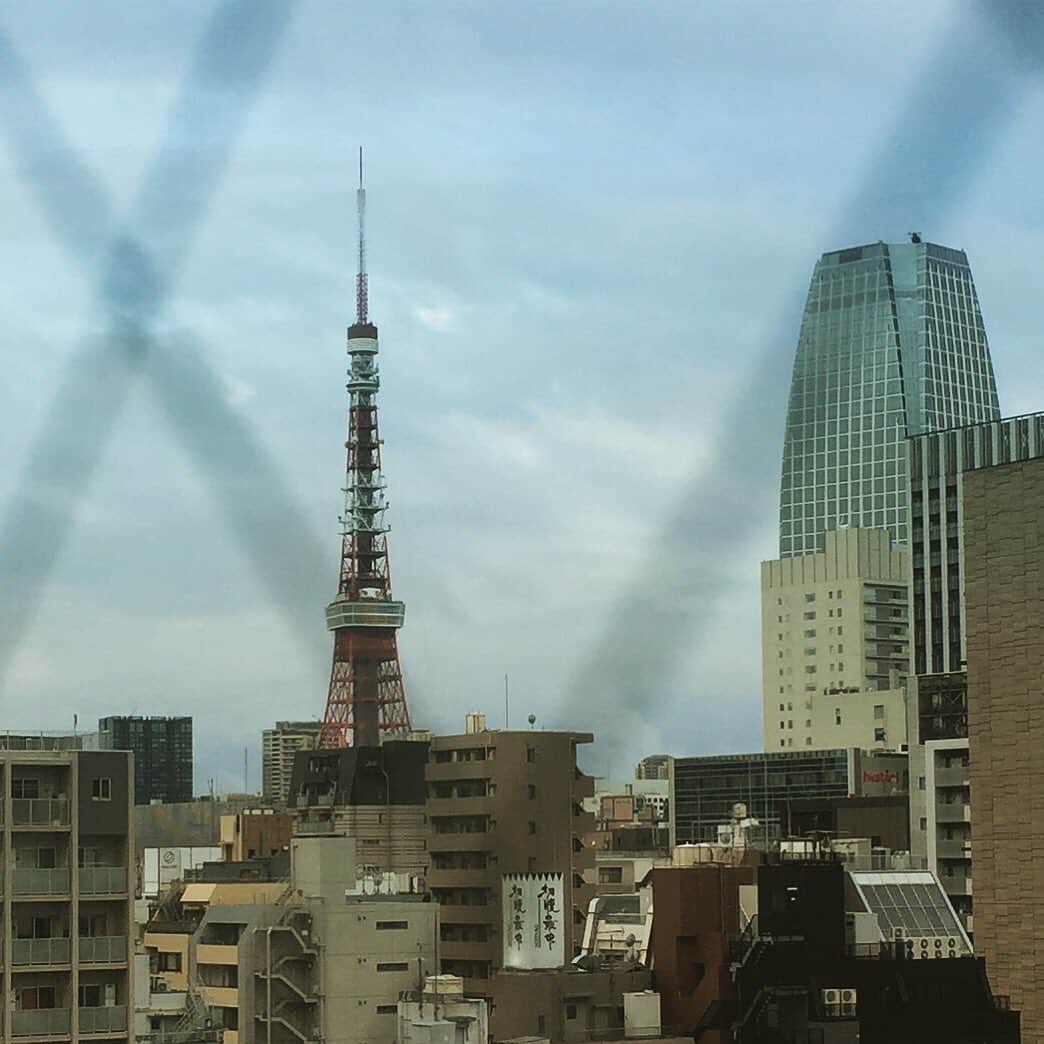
<point>834,641</point>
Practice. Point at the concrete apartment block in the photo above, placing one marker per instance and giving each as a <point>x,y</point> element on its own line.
<point>67,894</point>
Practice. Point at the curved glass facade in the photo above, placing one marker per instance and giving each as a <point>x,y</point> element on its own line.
<point>892,343</point>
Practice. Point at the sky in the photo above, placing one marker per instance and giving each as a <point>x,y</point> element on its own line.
<point>591,227</point>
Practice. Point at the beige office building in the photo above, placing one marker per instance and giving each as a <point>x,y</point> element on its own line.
<point>834,640</point>
<point>278,748</point>
<point>67,854</point>
<point>1004,605</point>
<point>298,960</point>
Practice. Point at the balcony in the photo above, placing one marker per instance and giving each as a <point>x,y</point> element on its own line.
<point>103,949</point>
<point>475,913</point>
<point>26,881</point>
<point>46,813</point>
<point>953,850</point>
<point>220,996</point>
<point>103,880</point>
<point>462,841</point>
<point>953,812</point>
<point>956,776</point>
<point>460,806</point>
<point>451,771</point>
<point>43,1022</point>
<point>461,878</point>
<point>217,953</point>
<point>107,1019</point>
<point>34,953</point>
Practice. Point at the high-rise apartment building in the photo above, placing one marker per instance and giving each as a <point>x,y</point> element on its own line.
<point>503,803</point>
<point>940,802</point>
<point>1003,509</point>
<point>278,748</point>
<point>892,344</point>
<point>67,898</point>
<point>162,748</point>
<point>834,644</point>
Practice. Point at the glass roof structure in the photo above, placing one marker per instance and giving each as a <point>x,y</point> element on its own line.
<point>911,900</point>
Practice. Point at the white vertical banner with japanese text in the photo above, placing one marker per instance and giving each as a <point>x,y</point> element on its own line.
<point>533,921</point>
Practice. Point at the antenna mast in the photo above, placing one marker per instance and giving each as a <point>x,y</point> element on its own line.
<point>362,303</point>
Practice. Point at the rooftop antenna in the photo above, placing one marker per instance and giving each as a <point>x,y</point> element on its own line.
<point>362,305</point>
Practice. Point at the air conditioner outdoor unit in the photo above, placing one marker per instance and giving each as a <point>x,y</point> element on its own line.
<point>954,946</point>
<point>832,1003</point>
<point>848,1004</point>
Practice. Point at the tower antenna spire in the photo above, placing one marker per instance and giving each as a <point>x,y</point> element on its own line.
<point>362,304</point>
<point>366,701</point>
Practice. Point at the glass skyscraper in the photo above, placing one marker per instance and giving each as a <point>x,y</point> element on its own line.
<point>892,344</point>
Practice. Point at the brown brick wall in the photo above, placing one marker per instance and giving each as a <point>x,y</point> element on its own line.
<point>1004,593</point>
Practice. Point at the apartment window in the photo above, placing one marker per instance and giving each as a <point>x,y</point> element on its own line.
<point>790,724</point>
<point>808,723</point>
<point>837,715</point>
<point>91,995</point>
<point>532,791</point>
<point>839,629</point>
<point>809,616</point>
<point>387,1009</point>
<point>782,743</point>
<point>840,648</point>
<point>541,1025</point>
<point>790,706</point>
<point>924,823</point>
<point>781,707</point>
<point>810,597</point>
<point>610,875</point>
<point>920,782</point>
<point>168,962</point>
<point>839,612</point>
<point>31,998</point>
<point>570,1011</point>
<point>101,789</point>
<point>532,827</point>
<point>878,712</point>
<point>810,669</point>
<point>810,633</point>
<point>392,926</point>
<point>92,925</point>
<point>810,650</point>
<point>25,787</point>
<point>879,735</point>
<point>86,856</point>
<point>393,966</point>
<point>781,725</point>
<point>808,741</point>
<point>530,754</point>
<point>45,858</point>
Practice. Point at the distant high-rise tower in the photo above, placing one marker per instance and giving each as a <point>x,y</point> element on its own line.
<point>366,700</point>
<point>892,344</point>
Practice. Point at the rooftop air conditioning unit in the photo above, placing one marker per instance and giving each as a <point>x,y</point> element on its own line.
<point>832,1003</point>
<point>848,1004</point>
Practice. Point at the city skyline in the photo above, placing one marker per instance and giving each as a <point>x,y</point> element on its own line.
<point>568,302</point>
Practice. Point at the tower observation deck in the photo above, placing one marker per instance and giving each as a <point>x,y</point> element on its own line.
<point>366,700</point>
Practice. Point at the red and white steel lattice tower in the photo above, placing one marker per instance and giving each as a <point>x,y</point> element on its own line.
<point>366,701</point>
